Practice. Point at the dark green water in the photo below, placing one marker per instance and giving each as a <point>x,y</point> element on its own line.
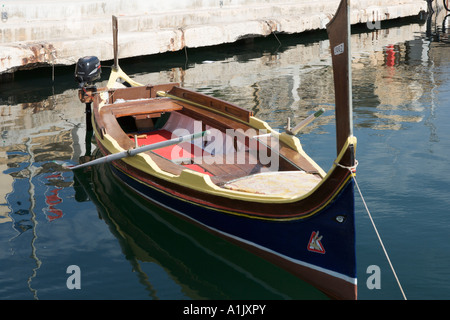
<point>125,250</point>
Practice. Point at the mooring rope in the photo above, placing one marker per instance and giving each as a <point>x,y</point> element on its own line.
<point>352,171</point>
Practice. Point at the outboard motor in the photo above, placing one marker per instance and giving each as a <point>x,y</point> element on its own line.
<point>87,70</point>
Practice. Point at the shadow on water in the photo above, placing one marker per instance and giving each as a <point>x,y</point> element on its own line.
<point>203,266</point>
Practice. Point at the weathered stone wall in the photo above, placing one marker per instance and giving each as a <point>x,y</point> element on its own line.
<point>59,32</point>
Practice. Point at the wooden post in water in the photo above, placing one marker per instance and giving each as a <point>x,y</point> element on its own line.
<point>115,28</point>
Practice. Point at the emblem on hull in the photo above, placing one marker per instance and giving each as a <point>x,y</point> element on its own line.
<point>315,243</point>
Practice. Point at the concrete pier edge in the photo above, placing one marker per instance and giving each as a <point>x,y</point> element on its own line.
<point>59,32</point>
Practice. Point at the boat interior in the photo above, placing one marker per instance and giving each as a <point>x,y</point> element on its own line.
<point>234,155</point>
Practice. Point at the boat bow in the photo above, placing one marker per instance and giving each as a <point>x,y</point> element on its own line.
<point>339,35</point>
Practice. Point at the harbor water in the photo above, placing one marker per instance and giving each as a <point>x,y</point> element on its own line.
<point>54,225</point>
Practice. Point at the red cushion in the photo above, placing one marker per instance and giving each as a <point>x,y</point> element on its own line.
<point>183,150</point>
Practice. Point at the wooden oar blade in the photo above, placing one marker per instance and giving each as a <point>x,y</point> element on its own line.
<point>305,122</point>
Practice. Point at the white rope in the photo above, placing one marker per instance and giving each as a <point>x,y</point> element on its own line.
<point>352,170</point>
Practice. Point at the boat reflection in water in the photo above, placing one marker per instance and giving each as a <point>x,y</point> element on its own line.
<point>202,265</point>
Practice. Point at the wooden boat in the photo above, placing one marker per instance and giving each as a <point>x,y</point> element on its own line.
<point>216,165</point>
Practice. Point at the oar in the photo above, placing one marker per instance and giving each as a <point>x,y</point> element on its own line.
<point>305,122</point>
<point>135,151</point>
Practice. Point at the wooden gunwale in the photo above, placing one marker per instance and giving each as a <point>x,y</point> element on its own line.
<point>223,107</point>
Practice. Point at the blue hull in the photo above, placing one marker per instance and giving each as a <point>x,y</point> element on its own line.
<point>320,249</point>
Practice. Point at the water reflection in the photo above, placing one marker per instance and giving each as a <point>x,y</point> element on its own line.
<point>392,73</point>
